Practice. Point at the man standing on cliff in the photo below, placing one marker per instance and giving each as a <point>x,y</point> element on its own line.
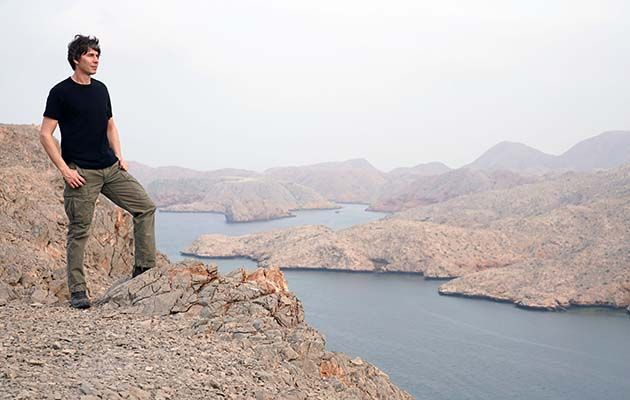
<point>91,163</point>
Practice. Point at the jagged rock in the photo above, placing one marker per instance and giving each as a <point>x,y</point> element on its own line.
<point>183,331</point>
<point>238,303</point>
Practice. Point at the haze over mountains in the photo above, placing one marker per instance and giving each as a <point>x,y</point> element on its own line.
<point>607,150</point>
<point>505,165</point>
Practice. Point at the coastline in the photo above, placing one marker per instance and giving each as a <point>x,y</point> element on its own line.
<point>230,221</point>
<point>514,302</point>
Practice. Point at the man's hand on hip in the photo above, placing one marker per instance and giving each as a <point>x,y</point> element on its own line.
<point>73,178</point>
<point>123,164</point>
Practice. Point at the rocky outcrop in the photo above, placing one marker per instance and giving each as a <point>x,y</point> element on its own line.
<point>241,199</point>
<point>182,332</point>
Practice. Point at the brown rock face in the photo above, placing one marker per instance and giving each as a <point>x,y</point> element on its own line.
<point>578,255</point>
<point>33,225</point>
<point>227,304</point>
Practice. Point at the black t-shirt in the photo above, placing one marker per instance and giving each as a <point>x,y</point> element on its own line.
<point>82,112</point>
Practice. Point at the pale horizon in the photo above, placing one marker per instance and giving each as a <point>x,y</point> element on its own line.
<point>256,86</point>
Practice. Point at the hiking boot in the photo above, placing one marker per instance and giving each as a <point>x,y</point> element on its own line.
<point>79,300</point>
<point>138,270</point>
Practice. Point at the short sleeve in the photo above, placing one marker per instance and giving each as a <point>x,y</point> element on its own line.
<point>53,105</point>
<point>109,105</point>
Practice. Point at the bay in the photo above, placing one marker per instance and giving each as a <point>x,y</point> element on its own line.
<point>438,347</point>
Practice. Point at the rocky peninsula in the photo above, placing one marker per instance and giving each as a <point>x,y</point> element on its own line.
<point>545,245</point>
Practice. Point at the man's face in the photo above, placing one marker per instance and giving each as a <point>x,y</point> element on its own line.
<point>88,63</point>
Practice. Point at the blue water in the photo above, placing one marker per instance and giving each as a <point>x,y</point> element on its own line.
<point>439,347</point>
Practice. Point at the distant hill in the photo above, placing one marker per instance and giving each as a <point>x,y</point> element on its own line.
<point>608,150</point>
<point>425,190</point>
<point>241,195</point>
<point>515,157</point>
<point>427,169</point>
<point>479,210</point>
<point>604,151</point>
<point>146,174</point>
<point>353,181</point>
<point>240,199</point>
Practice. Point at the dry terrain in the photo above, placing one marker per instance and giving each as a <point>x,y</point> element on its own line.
<point>176,331</point>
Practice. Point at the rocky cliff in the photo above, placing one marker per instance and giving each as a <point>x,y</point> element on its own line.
<point>177,331</point>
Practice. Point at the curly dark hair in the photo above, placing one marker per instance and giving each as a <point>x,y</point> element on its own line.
<point>79,46</point>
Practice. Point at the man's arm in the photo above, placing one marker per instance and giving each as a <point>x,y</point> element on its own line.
<point>114,142</point>
<point>46,138</point>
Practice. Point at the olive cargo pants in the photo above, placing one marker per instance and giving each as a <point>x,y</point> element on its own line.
<point>123,190</point>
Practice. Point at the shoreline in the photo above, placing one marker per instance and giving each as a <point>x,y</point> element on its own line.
<point>570,307</point>
<point>228,221</point>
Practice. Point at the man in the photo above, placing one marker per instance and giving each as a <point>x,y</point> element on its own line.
<point>91,163</point>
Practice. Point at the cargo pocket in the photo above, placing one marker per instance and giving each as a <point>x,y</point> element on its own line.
<point>78,210</point>
<point>68,205</point>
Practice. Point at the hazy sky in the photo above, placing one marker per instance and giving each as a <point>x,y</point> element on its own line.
<point>259,84</point>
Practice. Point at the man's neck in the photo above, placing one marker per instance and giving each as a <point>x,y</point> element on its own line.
<point>81,77</point>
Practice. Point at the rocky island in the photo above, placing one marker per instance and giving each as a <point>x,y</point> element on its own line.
<point>240,199</point>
